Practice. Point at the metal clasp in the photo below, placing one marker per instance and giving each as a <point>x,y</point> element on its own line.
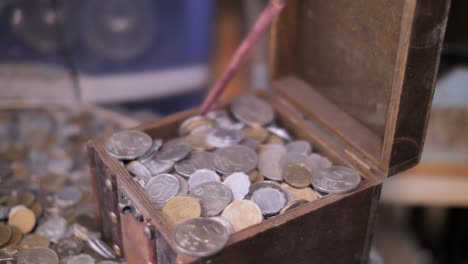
<point>127,206</point>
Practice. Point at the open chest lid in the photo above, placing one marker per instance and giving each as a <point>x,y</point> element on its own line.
<point>364,71</point>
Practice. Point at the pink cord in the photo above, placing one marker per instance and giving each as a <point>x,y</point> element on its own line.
<point>266,18</point>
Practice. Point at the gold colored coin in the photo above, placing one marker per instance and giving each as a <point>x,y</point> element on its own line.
<point>197,139</point>
<point>242,214</point>
<point>5,234</point>
<point>15,238</point>
<point>37,209</point>
<point>301,194</point>
<point>256,132</point>
<point>33,241</point>
<point>292,205</point>
<point>24,219</point>
<point>181,208</point>
<point>52,182</point>
<point>256,176</point>
<point>297,175</point>
<point>274,139</point>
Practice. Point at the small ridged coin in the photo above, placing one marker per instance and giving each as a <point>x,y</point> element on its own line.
<point>242,214</point>
<point>180,209</point>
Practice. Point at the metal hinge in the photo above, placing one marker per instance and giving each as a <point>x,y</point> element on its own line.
<point>127,206</point>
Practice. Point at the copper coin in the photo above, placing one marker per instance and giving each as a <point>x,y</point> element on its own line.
<point>15,238</point>
<point>24,219</point>
<point>5,234</point>
<point>297,175</point>
<point>52,182</point>
<point>181,208</point>
<point>256,132</point>
<point>33,241</point>
<point>36,207</point>
<point>301,194</point>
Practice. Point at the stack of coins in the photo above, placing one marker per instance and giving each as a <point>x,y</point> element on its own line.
<point>45,187</point>
<point>227,171</point>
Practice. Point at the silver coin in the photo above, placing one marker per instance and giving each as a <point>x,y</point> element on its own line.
<point>161,188</point>
<point>235,158</point>
<point>200,237</point>
<point>239,184</point>
<point>81,259</point>
<point>217,113</point>
<point>198,160</point>
<point>222,137</point>
<point>174,150</point>
<point>108,262</point>
<point>158,167</point>
<point>202,175</point>
<point>269,200</point>
<point>320,162</point>
<point>139,170</point>
<point>157,143</point>
<point>225,222</point>
<point>269,184</point>
<point>280,132</point>
<point>184,188</point>
<point>128,144</point>
<point>250,143</point>
<point>69,246</point>
<point>299,146</point>
<point>227,123</point>
<point>68,196</point>
<point>53,228</point>
<point>184,128</point>
<point>268,163</point>
<point>252,110</point>
<point>336,180</point>
<point>214,197</point>
<point>38,255</point>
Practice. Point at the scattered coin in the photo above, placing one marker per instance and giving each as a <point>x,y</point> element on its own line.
<point>68,196</point>
<point>297,175</point>
<point>256,133</point>
<point>270,200</point>
<point>128,144</point>
<point>53,228</point>
<point>223,137</point>
<point>214,197</point>
<point>52,182</point>
<point>202,175</point>
<point>239,184</point>
<point>299,146</point>
<point>336,180</point>
<point>174,150</point>
<point>235,159</point>
<point>293,205</point>
<point>38,256</point>
<point>200,237</point>
<point>15,238</point>
<point>23,218</point>
<point>198,160</point>
<point>5,234</point>
<point>180,209</point>
<point>33,241</point>
<point>252,110</point>
<point>161,188</point>
<point>250,143</point>
<point>301,194</point>
<point>242,214</point>
<point>36,207</point>
<point>69,246</point>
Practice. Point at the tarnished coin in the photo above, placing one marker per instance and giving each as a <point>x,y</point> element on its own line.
<point>336,180</point>
<point>299,146</point>
<point>33,241</point>
<point>252,110</point>
<point>69,246</point>
<point>297,175</point>
<point>256,176</point>
<point>161,188</point>
<point>68,196</point>
<point>270,200</point>
<point>200,237</point>
<point>202,175</point>
<point>222,137</point>
<point>235,159</point>
<point>183,185</point>
<point>293,205</point>
<point>174,150</point>
<point>23,218</point>
<point>301,194</point>
<point>242,214</point>
<point>5,234</point>
<point>256,133</point>
<point>213,197</point>
<point>198,160</point>
<point>320,162</point>
<point>139,170</point>
<point>198,138</point>
<point>194,123</point>
<point>239,184</point>
<point>180,209</point>
<point>53,228</point>
<point>15,238</point>
<point>81,259</point>
<point>38,256</point>
<point>268,163</point>
<point>128,144</point>
<point>280,132</point>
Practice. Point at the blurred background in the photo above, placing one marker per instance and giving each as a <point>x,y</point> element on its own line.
<point>136,60</point>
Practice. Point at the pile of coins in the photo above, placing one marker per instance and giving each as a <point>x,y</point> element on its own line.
<point>226,172</point>
<point>46,210</point>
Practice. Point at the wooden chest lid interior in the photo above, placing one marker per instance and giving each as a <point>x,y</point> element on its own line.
<point>364,71</point>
